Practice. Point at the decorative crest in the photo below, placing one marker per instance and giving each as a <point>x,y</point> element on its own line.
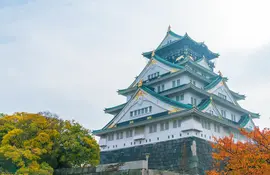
<point>153,53</point>
<point>211,98</point>
<point>220,74</point>
<point>140,83</point>
<point>169,28</point>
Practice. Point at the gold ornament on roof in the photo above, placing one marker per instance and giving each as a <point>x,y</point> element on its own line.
<point>153,53</point>
<point>153,61</point>
<point>139,94</point>
<point>220,74</point>
<point>150,117</point>
<point>131,122</point>
<point>173,110</point>
<point>174,70</point>
<point>140,83</point>
<point>112,125</point>
<point>169,28</point>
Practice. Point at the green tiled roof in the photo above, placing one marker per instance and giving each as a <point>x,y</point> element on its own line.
<point>237,95</point>
<point>174,34</point>
<point>115,107</point>
<point>158,58</point>
<point>166,99</point>
<point>204,103</point>
<point>213,83</point>
<point>201,44</point>
<point>243,120</point>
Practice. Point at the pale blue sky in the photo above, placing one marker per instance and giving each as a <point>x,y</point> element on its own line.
<point>71,56</point>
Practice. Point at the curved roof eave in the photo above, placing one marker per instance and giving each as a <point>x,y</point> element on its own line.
<point>211,55</point>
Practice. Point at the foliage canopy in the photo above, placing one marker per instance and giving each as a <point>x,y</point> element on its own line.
<point>251,157</point>
<point>39,143</point>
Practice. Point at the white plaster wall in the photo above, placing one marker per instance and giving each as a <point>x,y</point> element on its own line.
<point>250,125</point>
<point>204,64</point>
<point>143,101</point>
<point>172,133</point>
<point>184,79</point>
<point>146,103</point>
<point>229,112</point>
<point>188,96</point>
<point>166,39</point>
<point>223,90</point>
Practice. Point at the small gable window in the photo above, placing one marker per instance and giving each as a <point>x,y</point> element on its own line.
<point>222,96</point>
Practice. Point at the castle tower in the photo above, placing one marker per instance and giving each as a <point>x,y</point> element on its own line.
<point>173,109</point>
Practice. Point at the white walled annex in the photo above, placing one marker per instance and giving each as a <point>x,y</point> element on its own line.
<point>189,127</point>
<point>220,88</point>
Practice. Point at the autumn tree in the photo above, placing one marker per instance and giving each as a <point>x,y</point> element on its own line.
<point>38,143</point>
<point>251,157</point>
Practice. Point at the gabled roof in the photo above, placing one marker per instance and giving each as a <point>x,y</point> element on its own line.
<point>156,95</point>
<point>210,55</point>
<point>166,99</point>
<point>114,109</point>
<point>162,60</point>
<point>204,104</point>
<point>237,96</point>
<point>217,80</point>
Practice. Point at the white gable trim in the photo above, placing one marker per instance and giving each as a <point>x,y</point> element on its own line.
<point>153,63</point>
<point>141,95</point>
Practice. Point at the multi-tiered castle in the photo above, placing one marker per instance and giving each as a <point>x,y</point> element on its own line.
<point>174,108</point>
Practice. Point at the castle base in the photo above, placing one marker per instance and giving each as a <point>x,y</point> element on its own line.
<point>187,155</point>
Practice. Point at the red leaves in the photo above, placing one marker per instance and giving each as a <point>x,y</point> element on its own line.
<point>251,157</point>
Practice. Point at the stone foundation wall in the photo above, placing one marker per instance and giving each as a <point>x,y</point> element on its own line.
<point>187,155</point>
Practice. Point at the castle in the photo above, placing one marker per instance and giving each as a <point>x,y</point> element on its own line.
<point>174,107</point>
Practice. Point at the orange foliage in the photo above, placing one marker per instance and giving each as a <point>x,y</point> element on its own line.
<point>251,157</point>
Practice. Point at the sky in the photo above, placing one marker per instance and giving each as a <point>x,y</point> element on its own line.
<point>71,56</point>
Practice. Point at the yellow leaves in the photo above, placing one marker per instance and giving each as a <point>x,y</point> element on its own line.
<point>29,140</point>
<point>12,136</point>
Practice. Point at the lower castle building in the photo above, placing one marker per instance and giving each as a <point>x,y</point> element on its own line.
<point>174,109</point>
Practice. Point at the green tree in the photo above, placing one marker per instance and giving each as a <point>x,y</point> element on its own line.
<point>39,143</point>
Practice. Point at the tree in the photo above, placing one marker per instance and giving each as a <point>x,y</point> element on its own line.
<point>37,144</point>
<point>242,158</point>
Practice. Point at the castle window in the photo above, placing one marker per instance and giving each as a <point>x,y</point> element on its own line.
<point>153,128</point>
<point>173,83</point>
<point>233,117</point>
<point>129,133</point>
<point>178,82</point>
<point>193,101</point>
<point>110,137</point>
<point>179,123</point>
<point>223,113</point>
<point>150,108</point>
<point>217,128</point>
<point>131,113</point>
<point>119,135</point>
<point>182,96</point>
<point>163,87</point>
<point>177,98</point>
<point>164,126</point>
<point>175,124</point>
<point>152,76</point>
<point>206,124</point>
<point>158,88</point>
<point>222,96</point>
